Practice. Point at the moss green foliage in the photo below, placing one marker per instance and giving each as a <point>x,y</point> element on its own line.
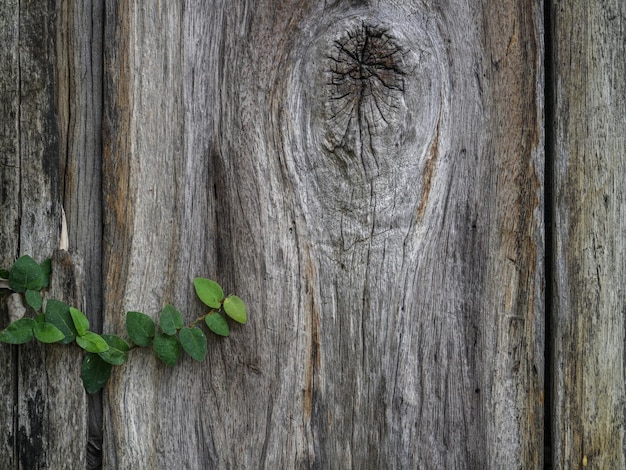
<point>57,322</point>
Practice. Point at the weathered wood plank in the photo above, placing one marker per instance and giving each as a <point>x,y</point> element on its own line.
<point>9,209</point>
<point>382,217</point>
<point>40,218</point>
<point>65,398</point>
<point>47,429</point>
<point>79,110</point>
<point>514,68</point>
<point>589,173</point>
<point>79,107</point>
<point>145,178</point>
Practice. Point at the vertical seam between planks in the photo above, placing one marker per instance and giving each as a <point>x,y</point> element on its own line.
<point>95,406</point>
<point>549,220</point>
<point>15,354</point>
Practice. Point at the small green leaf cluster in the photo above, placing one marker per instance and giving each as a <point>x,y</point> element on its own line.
<point>58,322</point>
<point>211,294</point>
<point>29,277</point>
<point>168,337</point>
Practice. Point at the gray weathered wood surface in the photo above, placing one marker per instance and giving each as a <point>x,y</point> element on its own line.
<point>589,236</point>
<point>79,98</point>
<point>369,177</point>
<point>370,180</point>
<point>9,206</point>
<point>45,412</point>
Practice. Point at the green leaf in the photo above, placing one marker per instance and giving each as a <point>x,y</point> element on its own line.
<point>171,320</point>
<point>117,352</point>
<point>58,313</point>
<point>140,327</point>
<point>33,298</point>
<point>41,318</point>
<point>194,342</point>
<point>95,372</point>
<point>46,270</point>
<point>235,308</point>
<point>217,324</point>
<point>18,332</point>
<point>167,348</point>
<point>92,342</point>
<point>80,321</point>
<point>47,333</point>
<point>209,292</point>
<point>4,273</point>
<point>25,274</point>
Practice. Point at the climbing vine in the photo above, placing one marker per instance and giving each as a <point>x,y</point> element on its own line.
<point>53,321</point>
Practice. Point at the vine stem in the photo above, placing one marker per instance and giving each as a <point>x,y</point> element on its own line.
<point>201,318</point>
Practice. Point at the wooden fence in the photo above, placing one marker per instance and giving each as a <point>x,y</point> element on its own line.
<point>421,203</point>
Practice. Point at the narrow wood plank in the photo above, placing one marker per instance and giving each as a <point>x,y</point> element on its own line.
<point>369,179</point>
<point>40,217</point>
<point>589,172</point>
<point>79,111</point>
<point>9,144</point>
<point>144,179</point>
<point>50,402</point>
<point>514,38</point>
<point>9,137</point>
<point>79,107</point>
<point>9,210</point>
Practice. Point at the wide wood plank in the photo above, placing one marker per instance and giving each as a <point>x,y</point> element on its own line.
<point>369,179</point>
<point>589,197</point>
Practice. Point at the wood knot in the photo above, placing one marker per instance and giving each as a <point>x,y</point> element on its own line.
<point>366,79</point>
<point>368,92</point>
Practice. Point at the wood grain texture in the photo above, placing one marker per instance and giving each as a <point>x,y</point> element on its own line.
<point>369,178</point>
<point>9,210</point>
<point>144,180</point>
<point>79,108</point>
<point>39,219</point>
<point>51,401</point>
<point>42,433</point>
<point>589,384</point>
<point>78,71</point>
<point>66,405</point>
